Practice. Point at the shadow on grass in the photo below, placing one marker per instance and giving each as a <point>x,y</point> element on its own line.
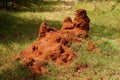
<point>21,30</point>
<point>13,28</point>
<point>104,32</point>
<point>13,71</point>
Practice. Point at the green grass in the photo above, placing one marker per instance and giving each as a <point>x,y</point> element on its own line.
<point>19,29</point>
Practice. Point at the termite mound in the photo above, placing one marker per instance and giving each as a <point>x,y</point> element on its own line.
<point>54,45</point>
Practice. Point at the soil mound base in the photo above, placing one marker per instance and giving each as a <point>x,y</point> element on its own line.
<point>54,45</point>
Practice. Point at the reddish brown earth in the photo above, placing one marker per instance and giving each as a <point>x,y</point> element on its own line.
<point>53,45</point>
<point>81,67</point>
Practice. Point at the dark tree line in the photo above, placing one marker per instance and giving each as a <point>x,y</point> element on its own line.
<point>4,3</point>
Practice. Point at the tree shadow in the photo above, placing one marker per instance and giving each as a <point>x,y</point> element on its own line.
<point>21,30</point>
<point>13,71</point>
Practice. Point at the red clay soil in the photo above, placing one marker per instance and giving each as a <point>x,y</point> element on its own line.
<point>92,46</point>
<point>81,67</point>
<point>53,45</point>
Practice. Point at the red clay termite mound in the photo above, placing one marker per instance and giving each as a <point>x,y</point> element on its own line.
<point>81,20</point>
<point>53,45</point>
<point>67,25</point>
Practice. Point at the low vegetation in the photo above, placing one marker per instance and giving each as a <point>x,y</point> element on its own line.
<point>20,29</point>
